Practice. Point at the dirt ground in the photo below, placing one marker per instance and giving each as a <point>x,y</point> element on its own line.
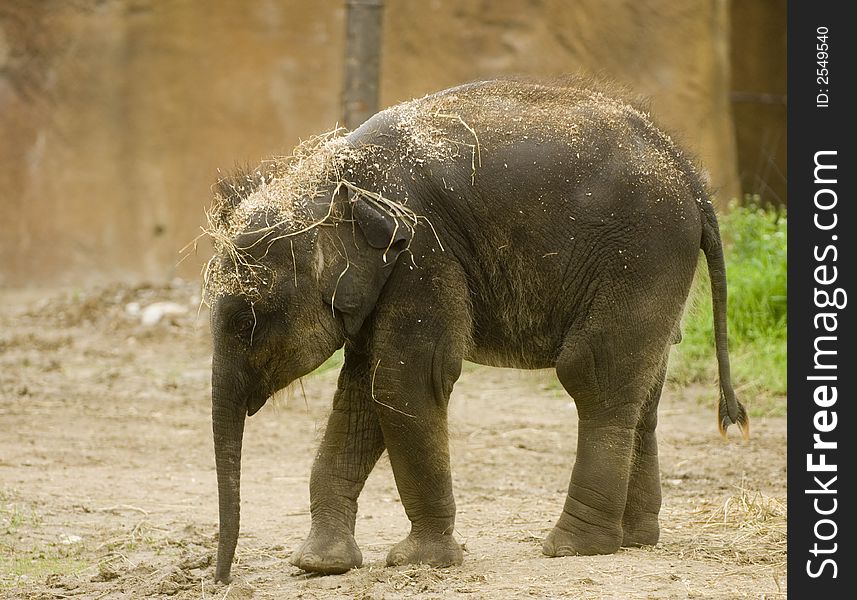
<point>107,484</point>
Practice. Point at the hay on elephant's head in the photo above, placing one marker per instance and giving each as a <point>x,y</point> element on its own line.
<point>272,202</point>
<point>279,192</point>
<point>280,186</point>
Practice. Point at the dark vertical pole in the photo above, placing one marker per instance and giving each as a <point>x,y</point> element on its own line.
<point>362,59</point>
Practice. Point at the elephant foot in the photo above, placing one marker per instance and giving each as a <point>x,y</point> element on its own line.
<point>641,530</point>
<point>328,553</point>
<point>437,551</point>
<point>561,542</point>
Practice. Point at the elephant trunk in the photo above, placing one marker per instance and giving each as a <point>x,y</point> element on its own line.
<point>227,417</point>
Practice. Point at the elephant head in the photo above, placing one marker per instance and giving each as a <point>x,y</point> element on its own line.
<point>286,289</point>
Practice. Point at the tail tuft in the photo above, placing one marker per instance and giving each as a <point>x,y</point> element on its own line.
<point>735,414</point>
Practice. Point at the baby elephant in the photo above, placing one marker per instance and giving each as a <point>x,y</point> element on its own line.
<point>507,223</point>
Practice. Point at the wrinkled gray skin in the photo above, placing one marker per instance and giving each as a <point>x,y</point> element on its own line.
<point>552,258</point>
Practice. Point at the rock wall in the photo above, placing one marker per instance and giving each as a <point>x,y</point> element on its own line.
<point>115,115</point>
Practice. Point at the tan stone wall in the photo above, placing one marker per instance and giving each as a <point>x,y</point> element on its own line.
<point>674,52</point>
<point>114,116</point>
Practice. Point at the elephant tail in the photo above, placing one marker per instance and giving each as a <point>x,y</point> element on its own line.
<point>730,411</point>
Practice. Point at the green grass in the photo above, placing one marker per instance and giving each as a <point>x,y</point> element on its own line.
<point>19,559</point>
<point>334,362</point>
<point>37,564</point>
<point>755,250</point>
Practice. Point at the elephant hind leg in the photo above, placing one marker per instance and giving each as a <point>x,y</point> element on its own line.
<point>640,520</point>
<point>609,373</point>
<point>591,520</point>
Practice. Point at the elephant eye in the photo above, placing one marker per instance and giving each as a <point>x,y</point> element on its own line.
<point>244,322</point>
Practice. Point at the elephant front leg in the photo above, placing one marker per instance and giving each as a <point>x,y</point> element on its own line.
<point>351,446</point>
<point>412,406</point>
<point>418,346</point>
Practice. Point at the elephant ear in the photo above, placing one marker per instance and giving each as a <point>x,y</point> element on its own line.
<point>371,244</point>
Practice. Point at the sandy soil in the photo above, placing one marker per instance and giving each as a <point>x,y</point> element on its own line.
<point>107,483</point>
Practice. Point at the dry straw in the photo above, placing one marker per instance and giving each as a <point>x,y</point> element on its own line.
<point>748,528</point>
<point>279,193</point>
